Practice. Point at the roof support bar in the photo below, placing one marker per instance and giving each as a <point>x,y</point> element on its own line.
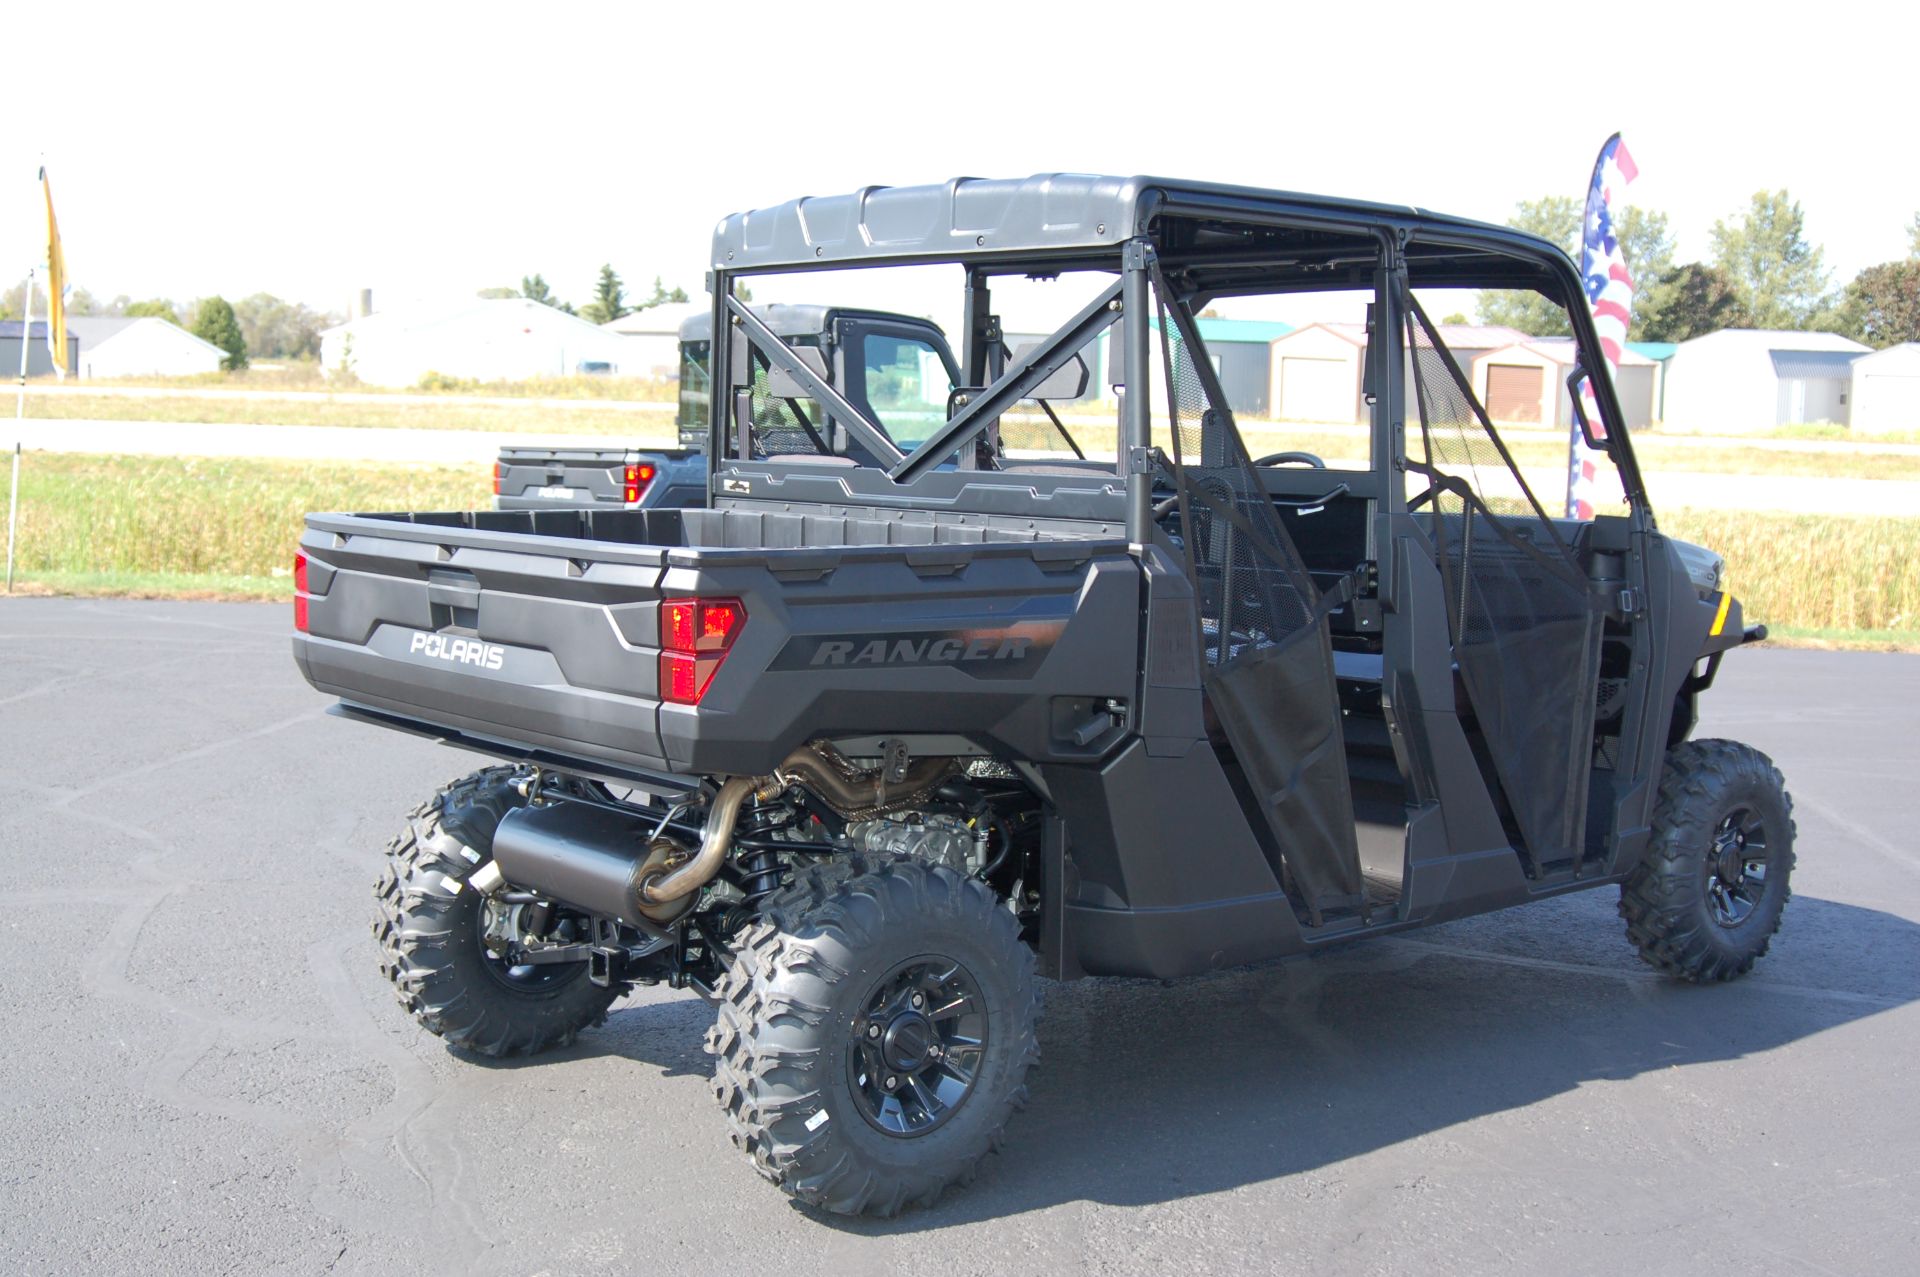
<point>1051,355</point>
<point>816,386</point>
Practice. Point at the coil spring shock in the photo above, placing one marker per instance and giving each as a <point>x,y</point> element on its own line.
<point>762,870</point>
<point>759,878</point>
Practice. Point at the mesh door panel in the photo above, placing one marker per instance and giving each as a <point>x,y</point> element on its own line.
<point>1264,641</point>
<point>1521,617</point>
<point>777,428</point>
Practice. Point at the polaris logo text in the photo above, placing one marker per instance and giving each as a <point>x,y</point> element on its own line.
<point>461,651</point>
<point>925,651</point>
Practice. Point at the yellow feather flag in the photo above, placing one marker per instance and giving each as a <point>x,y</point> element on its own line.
<point>56,285</point>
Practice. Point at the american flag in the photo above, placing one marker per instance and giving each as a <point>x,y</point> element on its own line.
<point>1610,295</point>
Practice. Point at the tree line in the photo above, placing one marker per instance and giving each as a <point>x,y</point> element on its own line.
<point>267,327</point>
<point>1764,273</point>
<point>608,303</point>
<point>261,326</point>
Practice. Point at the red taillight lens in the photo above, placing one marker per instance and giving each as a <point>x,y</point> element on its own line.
<point>694,637</point>
<point>718,620</point>
<point>499,477</point>
<point>679,619</point>
<point>635,482</point>
<point>300,591</point>
<point>684,677</point>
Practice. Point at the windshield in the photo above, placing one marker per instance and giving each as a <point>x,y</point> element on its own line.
<point>906,386</point>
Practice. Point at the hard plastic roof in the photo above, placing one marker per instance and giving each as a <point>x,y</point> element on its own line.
<point>983,217</point>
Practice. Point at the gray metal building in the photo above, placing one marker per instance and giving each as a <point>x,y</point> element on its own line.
<point>39,358</point>
<point>1242,351</point>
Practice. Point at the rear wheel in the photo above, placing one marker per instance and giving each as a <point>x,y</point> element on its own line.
<point>449,951</point>
<point>1705,902</point>
<point>874,1033</point>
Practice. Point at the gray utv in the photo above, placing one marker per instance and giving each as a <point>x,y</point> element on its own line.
<point>879,735</point>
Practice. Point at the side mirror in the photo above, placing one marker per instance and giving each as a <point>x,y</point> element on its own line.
<point>1576,380</point>
<point>1068,381</point>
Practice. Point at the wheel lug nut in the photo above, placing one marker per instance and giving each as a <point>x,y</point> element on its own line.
<point>918,1001</point>
<point>873,1030</point>
<point>893,1083</point>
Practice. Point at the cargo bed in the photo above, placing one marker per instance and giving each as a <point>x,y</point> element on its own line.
<point>538,634</point>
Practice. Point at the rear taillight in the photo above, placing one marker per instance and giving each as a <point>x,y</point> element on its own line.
<point>634,482</point>
<point>694,637</point>
<point>499,477</point>
<point>300,590</point>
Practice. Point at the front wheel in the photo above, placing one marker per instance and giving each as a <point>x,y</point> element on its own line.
<point>447,950</point>
<point>1705,902</point>
<point>874,1033</point>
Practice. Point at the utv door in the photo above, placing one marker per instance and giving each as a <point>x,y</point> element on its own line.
<point>902,376</point>
<point>1267,663</point>
<point>1523,622</point>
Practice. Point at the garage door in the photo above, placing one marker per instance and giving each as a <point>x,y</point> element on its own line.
<point>1889,403</point>
<point>1513,392</point>
<point>1317,390</point>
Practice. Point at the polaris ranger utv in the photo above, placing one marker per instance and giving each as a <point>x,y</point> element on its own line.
<point>860,351</point>
<point>859,751</point>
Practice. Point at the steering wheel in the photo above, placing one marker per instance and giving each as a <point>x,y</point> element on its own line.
<point>1291,459</point>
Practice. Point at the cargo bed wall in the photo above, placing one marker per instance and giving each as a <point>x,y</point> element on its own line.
<point>734,528</point>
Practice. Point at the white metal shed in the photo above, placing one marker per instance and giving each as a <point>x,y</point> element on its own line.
<point>145,346</point>
<point>1740,380</point>
<point>1886,390</point>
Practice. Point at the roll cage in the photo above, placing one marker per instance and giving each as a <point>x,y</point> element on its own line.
<point>1164,243</point>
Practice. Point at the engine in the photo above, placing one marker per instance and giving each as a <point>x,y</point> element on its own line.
<point>935,837</point>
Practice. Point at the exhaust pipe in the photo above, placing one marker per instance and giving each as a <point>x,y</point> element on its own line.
<point>608,861</point>
<point>664,886</point>
<point>858,795</point>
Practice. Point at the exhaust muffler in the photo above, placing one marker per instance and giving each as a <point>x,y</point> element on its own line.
<point>617,864</point>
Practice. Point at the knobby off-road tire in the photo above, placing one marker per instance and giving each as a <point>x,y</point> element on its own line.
<point>798,1004</point>
<point>430,926</point>
<point>1695,907</point>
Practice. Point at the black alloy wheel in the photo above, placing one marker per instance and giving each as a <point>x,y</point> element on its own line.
<point>918,1046</point>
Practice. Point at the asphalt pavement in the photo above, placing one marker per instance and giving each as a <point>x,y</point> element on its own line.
<point>202,1071</point>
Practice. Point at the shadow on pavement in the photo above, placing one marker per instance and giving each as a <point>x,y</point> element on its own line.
<point>1150,1092</point>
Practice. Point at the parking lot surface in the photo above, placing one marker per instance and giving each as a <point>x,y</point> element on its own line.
<point>202,1071</point>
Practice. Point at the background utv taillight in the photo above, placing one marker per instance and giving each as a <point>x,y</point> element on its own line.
<point>499,477</point>
<point>635,481</point>
<point>694,637</point>
<point>300,590</point>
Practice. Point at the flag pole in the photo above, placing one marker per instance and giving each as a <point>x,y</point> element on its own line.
<point>19,424</point>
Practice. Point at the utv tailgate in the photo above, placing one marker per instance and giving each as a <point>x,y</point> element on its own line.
<point>613,478</point>
<point>541,631</point>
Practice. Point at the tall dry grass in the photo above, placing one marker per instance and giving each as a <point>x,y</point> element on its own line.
<point>1814,571</point>
<point>89,514</point>
<point>86,514</point>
